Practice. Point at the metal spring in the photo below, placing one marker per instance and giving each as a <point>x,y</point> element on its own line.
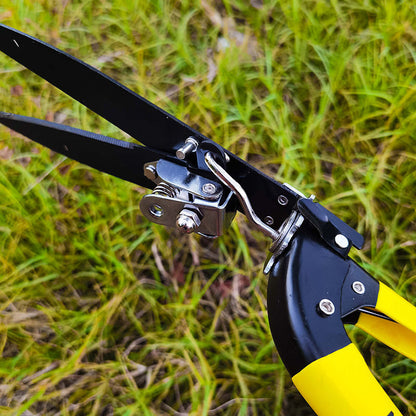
<point>165,189</point>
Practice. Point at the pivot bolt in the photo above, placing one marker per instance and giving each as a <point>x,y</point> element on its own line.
<point>150,172</point>
<point>326,307</point>
<point>190,146</point>
<point>187,221</point>
<point>358,287</point>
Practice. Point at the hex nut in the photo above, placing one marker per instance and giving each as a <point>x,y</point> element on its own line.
<point>187,221</point>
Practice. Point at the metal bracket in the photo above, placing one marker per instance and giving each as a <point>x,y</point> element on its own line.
<point>286,233</point>
<point>187,201</point>
<point>282,237</point>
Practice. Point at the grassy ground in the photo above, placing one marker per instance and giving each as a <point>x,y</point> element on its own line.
<point>103,313</point>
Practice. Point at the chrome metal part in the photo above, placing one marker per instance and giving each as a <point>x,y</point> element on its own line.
<point>209,189</point>
<point>282,237</point>
<point>165,189</point>
<point>231,183</point>
<point>286,233</point>
<point>215,215</point>
<point>156,211</point>
<point>189,147</point>
<point>185,200</point>
<point>358,287</point>
<point>150,172</point>
<point>183,181</point>
<point>187,221</point>
<point>326,307</point>
<point>269,263</point>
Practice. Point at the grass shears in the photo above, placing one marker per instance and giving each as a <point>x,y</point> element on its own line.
<point>314,288</point>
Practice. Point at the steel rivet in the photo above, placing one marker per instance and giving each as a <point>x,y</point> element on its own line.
<point>341,241</point>
<point>209,188</point>
<point>326,307</point>
<point>358,287</point>
<point>269,220</point>
<point>282,200</point>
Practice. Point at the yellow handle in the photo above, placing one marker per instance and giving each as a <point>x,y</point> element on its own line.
<point>397,308</point>
<point>399,335</point>
<point>341,384</point>
<point>394,335</point>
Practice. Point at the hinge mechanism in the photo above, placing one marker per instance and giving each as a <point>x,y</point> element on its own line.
<point>187,201</point>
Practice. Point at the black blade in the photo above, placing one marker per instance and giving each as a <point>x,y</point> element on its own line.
<point>125,109</point>
<point>116,157</point>
<point>136,116</point>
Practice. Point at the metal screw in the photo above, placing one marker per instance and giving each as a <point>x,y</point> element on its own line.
<point>282,200</point>
<point>341,241</point>
<point>187,221</point>
<point>326,307</point>
<point>209,188</point>
<point>358,287</point>
<point>269,220</point>
<point>190,146</point>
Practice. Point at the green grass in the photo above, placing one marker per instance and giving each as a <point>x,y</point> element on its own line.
<point>103,313</point>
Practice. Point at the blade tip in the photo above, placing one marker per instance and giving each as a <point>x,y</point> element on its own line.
<point>3,114</point>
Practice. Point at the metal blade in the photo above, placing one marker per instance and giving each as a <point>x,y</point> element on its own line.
<point>116,157</point>
<point>125,109</point>
<point>136,116</point>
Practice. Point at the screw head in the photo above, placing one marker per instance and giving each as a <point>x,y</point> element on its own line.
<point>269,220</point>
<point>358,287</point>
<point>282,200</point>
<point>209,188</point>
<point>341,241</point>
<point>326,307</point>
